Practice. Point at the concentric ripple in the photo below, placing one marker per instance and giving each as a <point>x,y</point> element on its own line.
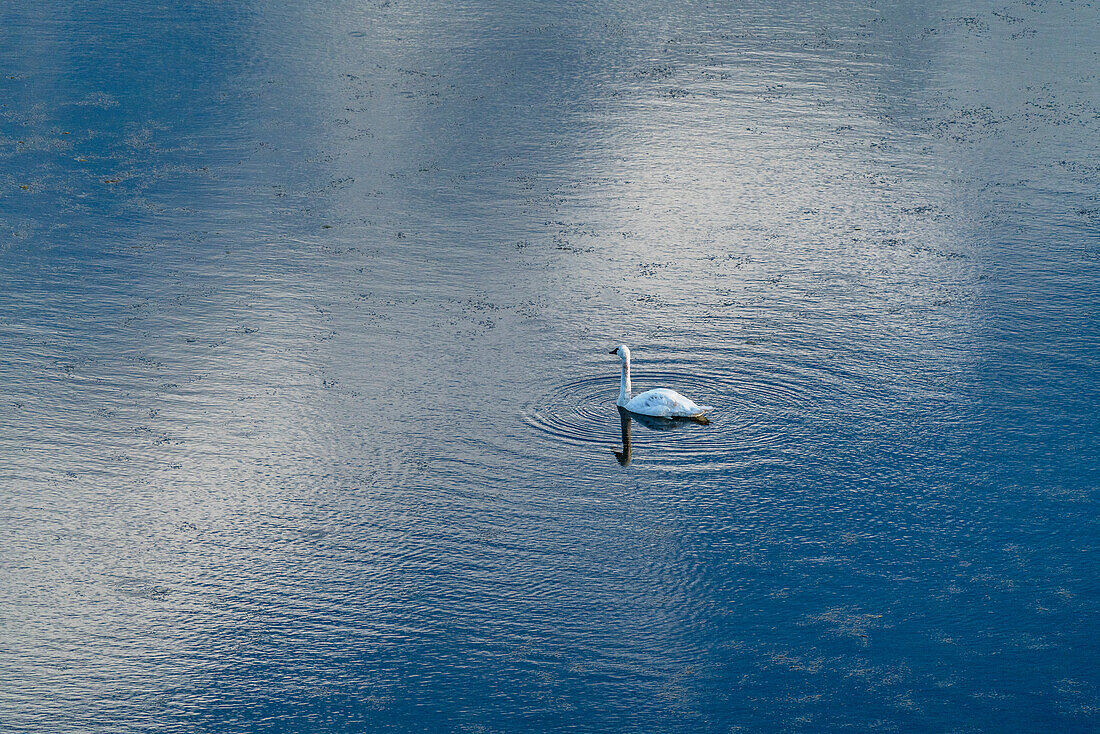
<point>759,404</point>
<point>579,411</point>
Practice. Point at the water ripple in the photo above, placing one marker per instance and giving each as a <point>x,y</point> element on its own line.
<point>757,406</point>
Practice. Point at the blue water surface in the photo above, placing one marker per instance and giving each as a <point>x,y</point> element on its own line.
<point>307,419</point>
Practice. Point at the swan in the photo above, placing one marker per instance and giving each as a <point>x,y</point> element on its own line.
<point>660,402</point>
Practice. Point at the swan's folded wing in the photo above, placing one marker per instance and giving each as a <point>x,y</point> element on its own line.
<point>664,402</point>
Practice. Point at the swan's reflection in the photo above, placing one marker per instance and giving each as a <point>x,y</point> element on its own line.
<point>651,422</point>
<point>624,455</point>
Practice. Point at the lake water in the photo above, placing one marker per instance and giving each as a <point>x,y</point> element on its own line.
<point>307,419</point>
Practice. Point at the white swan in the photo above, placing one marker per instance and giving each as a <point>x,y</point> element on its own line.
<point>660,402</point>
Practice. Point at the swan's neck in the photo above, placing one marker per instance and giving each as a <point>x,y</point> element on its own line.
<point>624,385</point>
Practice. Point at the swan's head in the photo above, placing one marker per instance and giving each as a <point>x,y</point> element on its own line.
<point>623,352</point>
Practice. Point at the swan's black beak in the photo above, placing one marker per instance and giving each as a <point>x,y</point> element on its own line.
<point>614,351</point>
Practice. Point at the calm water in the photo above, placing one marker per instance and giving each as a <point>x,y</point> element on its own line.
<point>307,419</point>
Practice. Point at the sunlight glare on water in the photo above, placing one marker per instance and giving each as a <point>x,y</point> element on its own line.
<point>308,421</point>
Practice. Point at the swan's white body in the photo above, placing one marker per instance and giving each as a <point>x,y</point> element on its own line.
<point>660,402</point>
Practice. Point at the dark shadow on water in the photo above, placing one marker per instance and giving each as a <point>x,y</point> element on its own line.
<point>651,422</point>
<point>624,455</point>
